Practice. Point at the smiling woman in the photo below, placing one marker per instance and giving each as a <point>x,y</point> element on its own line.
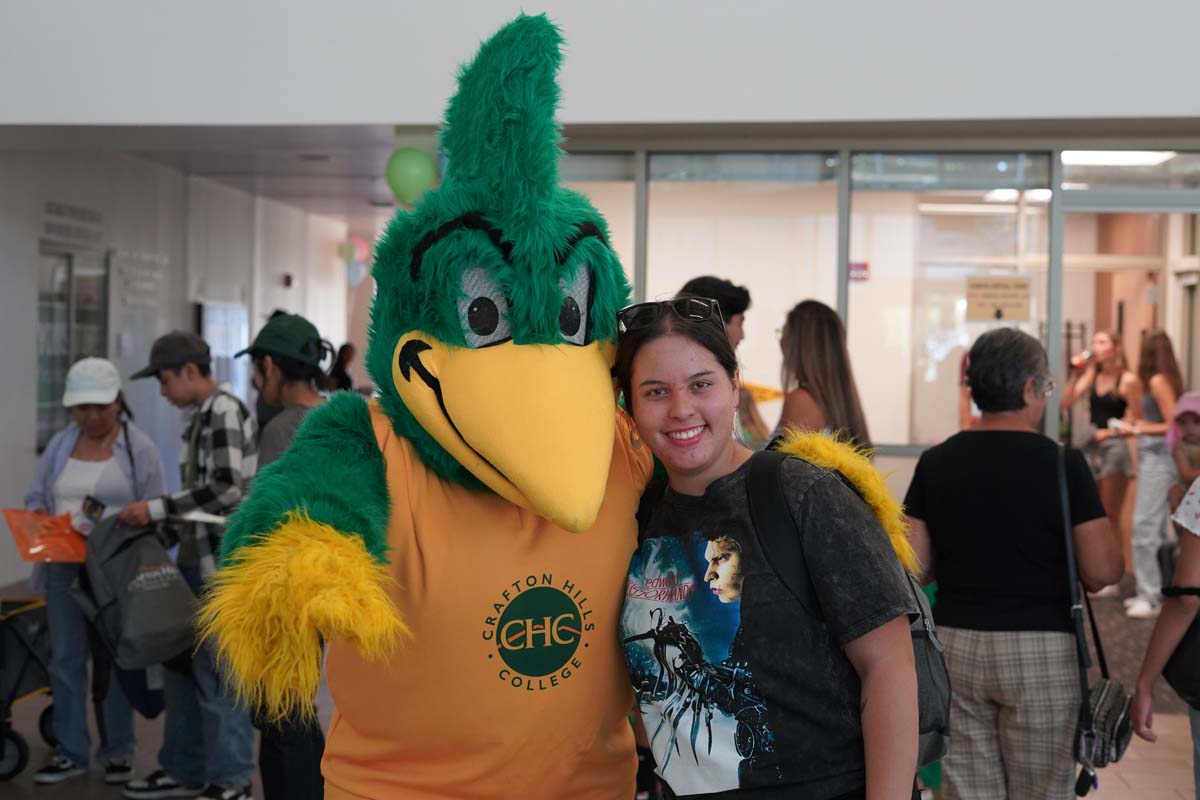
<point>715,666</point>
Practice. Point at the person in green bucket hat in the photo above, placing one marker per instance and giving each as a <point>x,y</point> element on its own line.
<point>287,355</point>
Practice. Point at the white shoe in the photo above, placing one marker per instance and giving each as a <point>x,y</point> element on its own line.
<point>1141,608</point>
<point>1128,601</point>
<point>1112,590</point>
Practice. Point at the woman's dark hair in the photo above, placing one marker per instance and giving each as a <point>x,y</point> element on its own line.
<point>1158,358</point>
<point>734,299</point>
<point>709,334</point>
<point>295,370</point>
<point>815,359</point>
<point>344,354</point>
<point>1000,363</point>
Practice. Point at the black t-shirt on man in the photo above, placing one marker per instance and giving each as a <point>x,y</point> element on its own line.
<point>990,500</point>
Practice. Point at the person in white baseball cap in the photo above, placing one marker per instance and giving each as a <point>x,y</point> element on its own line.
<point>101,457</point>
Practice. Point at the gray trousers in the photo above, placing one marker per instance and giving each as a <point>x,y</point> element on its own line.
<point>1156,473</point>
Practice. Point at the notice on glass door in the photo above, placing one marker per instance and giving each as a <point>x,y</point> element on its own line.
<point>998,299</point>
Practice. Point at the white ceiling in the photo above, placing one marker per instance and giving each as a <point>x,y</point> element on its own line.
<point>337,170</point>
<point>334,171</point>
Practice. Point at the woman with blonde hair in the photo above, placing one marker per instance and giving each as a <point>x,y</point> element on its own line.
<point>1113,392</point>
<point>1159,373</point>
<point>818,384</point>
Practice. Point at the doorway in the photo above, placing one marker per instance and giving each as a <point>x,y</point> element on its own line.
<point>1115,269</point>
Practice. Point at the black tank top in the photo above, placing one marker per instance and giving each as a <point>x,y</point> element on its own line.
<point>1107,406</point>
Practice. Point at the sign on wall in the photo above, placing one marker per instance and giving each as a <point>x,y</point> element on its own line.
<point>992,299</point>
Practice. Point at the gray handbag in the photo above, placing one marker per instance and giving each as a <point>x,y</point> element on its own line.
<point>1105,726</point>
<point>135,596</point>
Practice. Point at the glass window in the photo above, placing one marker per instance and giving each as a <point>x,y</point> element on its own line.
<point>922,227</point>
<point>226,329</point>
<point>609,181</point>
<point>1115,268</point>
<point>1147,169</point>
<point>766,221</point>
<point>72,324</point>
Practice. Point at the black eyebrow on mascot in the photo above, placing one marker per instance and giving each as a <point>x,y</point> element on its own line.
<point>461,541</point>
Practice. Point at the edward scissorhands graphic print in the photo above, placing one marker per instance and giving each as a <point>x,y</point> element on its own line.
<point>705,719</point>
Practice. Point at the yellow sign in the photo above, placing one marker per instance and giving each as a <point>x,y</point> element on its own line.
<point>998,299</point>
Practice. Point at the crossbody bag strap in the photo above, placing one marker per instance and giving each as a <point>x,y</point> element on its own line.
<point>1100,660</point>
<point>129,452</point>
<point>1081,647</point>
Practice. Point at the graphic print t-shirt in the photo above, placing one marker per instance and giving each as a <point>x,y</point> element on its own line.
<point>741,690</point>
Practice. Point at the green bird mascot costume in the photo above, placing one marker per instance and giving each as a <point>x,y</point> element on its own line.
<point>461,542</point>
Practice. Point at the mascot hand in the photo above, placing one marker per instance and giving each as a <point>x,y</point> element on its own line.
<point>267,610</point>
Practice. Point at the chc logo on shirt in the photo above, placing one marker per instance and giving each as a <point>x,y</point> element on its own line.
<point>537,632</point>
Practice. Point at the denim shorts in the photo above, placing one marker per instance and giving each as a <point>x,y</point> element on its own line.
<point>1108,458</point>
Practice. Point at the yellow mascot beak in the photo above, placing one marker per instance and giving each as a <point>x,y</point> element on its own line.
<point>535,423</point>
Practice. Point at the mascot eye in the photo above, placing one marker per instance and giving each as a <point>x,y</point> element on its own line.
<point>573,313</point>
<point>482,309</point>
<point>483,316</point>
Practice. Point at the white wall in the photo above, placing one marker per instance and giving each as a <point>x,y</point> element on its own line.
<point>220,243</point>
<point>184,239</point>
<point>778,239</point>
<point>292,243</point>
<point>883,233</point>
<point>381,61</point>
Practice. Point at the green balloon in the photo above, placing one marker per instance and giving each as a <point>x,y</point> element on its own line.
<point>410,173</point>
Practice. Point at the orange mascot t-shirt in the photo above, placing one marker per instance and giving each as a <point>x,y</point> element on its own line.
<point>514,684</point>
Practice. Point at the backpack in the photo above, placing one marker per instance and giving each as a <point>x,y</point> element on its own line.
<point>780,542</point>
<point>134,596</point>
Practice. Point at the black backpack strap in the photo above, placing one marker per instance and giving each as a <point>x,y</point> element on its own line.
<point>650,496</point>
<point>1181,591</point>
<point>776,529</point>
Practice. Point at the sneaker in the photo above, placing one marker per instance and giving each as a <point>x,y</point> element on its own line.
<point>1142,609</point>
<point>1112,590</point>
<point>214,792</point>
<point>1128,601</point>
<point>118,772</point>
<point>58,770</point>
<point>158,785</point>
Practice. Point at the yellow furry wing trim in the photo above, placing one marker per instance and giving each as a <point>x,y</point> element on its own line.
<point>265,612</point>
<point>828,452</point>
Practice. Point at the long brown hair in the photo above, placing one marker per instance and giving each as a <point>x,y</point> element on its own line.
<point>1119,362</point>
<point>1158,358</point>
<point>815,359</point>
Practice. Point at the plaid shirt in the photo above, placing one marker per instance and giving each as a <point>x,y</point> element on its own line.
<point>217,462</point>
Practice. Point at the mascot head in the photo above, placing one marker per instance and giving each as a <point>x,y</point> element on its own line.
<point>494,318</point>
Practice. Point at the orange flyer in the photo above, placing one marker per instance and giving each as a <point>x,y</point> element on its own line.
<point>41,537</point>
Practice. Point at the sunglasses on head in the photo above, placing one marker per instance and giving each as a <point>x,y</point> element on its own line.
<point>692,309</point>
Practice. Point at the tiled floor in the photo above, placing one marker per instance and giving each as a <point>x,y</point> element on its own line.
<point>149,735</point>
<point>1159,771</point>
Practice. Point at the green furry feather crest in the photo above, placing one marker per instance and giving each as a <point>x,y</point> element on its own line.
<point>499,219</point>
